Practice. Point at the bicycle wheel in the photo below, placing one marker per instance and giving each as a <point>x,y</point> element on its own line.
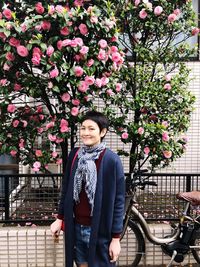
<point>196,252</point>
<point>132,246</point>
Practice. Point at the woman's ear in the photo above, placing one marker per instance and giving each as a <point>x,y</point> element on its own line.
<point>103,132</point>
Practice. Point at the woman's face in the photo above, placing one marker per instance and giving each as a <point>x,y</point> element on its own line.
<point>90,133</point>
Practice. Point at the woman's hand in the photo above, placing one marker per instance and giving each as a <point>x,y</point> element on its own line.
<point>56,227</point>
<point>114,249</point>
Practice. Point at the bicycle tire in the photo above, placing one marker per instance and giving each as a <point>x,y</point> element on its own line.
<point>196,253</point>
<point>132,246</point>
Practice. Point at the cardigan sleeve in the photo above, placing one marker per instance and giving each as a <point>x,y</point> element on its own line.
<point>118,214</point>
<point>65,184</point>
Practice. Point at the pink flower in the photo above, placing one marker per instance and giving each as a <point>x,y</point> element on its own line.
<point>167,154</point>
<point>17,87</point>
<point>76,102</point>
<point>63,122</point>
<point>165,137</point>
<point>78,2</point>
<point>37,50</point>
<point>167,86</point>
<point>13,153</point>
<point>103,43</point>
<point>66,42</point>
<point>102,54</point>
<point>64,129</point>
<point>116,57</point>
<point>3,82</point>
<point>11,108</point>
<point>15,123</point>
<point>10,56</point>
<point>65,31</point>
<point>36,59</point>
<point>143,14</point>
<point>14,42</point>
<point>79,41</point>
<point>89,80</point>
<point>124,135</point>
<point>82,87</point>
<point>36,166</point>
<point>54,154</point>
<point>54,73</point>
<point>90,62</point>
<point>40,130</point>
<point>171,18</point>
<point>98,82</point>
<point>50,50</point>
<point>83,29</point>
<point>46,25</point>
<point>59,8</point>
<point>59,140</point>
<point>146,150</point>
<point>195,31</point>
<point>113,49</point>
<point>25,123</point>
<point>104,81</point>
<point>118,87</point>
<point>140,130</point>
<point>177,12</point>
<point>59,44</point>
<point>168,77</point>
<point>39,8</point>
<point>137,2</point>
<point>22,51</point>
<point>78,71</point>
<point>21,143</point>
<point>50,125</point>
<point>74,111</point>
<point>7,13</point>
<point>109,92</point>
<point>6,67</point>
<point>65,97</point>
<point>38,153</point>
<point>84,50</point>
<point>158,10</point>
<point>2,36</point>
<point>59,161</point>
<point>94,19</point>
<point>52,138</point>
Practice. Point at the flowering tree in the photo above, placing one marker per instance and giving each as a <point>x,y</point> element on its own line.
<point>152,100</point>
<point>55,56</point>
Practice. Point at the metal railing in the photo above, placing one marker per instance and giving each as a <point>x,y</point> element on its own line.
<point>33,198</point>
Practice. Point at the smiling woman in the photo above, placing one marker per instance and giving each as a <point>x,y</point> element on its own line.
<point>92,198</point>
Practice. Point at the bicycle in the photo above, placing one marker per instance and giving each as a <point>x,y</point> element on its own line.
<point>185,237</point>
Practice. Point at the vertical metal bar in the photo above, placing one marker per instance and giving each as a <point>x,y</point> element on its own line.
<point>188,183</point>
<point>6,190</point>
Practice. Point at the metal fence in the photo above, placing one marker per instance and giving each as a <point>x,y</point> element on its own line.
<point>34,198</point>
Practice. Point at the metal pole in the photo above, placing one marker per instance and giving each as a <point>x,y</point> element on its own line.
<point>6,190</point>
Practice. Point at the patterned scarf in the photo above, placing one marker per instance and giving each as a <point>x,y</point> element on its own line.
<point>87,172</point>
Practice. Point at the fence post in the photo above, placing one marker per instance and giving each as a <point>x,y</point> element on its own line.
<point>7,206</point>
<point>188,183</point>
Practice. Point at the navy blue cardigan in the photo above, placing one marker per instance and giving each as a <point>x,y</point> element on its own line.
<point>108,209</point>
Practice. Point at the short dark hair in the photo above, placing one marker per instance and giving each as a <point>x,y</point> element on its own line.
<point>98,117</point>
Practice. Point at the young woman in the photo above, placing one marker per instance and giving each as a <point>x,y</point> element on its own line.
<point>92,199</point>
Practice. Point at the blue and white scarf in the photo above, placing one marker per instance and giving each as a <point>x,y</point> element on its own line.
<point>87,172</point>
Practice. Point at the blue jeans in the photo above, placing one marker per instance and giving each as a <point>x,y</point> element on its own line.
<point>82,238</point>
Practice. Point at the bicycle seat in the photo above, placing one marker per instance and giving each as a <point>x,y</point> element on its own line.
<point>193,197</point>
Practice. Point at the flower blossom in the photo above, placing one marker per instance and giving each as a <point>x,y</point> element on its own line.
<point>11,108</point>
<point>167,86</point>
<point>13,153</point>
<point>78,71</point>
<point>22,51</point>
<point>167,154</point>
<point>39,8</point>
<point>124,135</point>
<point>54,73</point>
<point>158,10</point>
<point>83,29</point>
<point>74,111</point>
<point>165,137</point>
<point>65,97</point>
<point>38,153</point>
<point>140,130</point>
<point>143,14</point>
<point>36,166</point>
<point>7,13</point>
